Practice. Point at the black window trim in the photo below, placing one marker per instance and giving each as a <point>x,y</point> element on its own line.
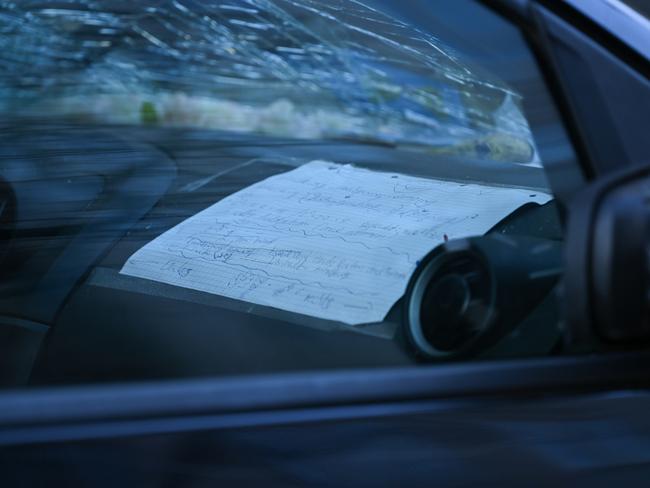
<point>88,412</point>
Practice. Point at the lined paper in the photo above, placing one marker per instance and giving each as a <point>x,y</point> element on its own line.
<point>326,240</point>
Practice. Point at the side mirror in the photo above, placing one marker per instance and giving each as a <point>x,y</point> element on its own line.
<point>607,280</point>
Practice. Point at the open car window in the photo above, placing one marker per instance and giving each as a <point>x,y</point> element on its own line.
<point>209,188</point>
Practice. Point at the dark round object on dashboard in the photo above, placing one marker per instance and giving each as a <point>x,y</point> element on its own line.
<point>453,301</point>
<point>467,294</point>
<point>448,298</point>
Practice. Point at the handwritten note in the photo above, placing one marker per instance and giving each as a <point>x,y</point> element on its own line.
<point>326,240</point>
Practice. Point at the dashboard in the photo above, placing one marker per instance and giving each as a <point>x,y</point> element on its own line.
<point>85,199</point>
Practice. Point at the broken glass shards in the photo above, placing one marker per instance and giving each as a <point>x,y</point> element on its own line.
<point>297,68</point>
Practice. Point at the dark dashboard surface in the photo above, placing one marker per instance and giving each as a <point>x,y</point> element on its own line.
<point>81,320</point>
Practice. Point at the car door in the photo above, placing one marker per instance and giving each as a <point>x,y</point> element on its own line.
<point>536,405</point>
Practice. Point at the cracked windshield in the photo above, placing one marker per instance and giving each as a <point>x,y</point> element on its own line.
<point>193,188</point>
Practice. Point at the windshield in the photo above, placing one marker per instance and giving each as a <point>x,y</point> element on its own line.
<point>305,69</point>
<point>200,188</point>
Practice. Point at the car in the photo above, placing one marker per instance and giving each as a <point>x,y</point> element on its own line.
<point>314,243</point>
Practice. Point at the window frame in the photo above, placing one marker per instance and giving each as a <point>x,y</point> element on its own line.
<point>89,412</point>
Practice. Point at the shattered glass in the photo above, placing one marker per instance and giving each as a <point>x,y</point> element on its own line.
<point>301,68</point>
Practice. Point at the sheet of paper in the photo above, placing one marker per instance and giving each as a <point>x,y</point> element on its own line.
<point>326,240</point>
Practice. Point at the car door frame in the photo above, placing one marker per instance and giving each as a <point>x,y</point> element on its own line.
<point>57,414</point>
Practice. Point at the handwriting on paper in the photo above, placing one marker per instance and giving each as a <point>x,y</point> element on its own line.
<point>326,240</point>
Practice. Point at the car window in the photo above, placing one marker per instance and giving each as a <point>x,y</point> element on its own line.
<point>213,188</point>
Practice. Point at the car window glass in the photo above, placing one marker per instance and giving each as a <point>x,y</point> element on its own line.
<point>207,188</point>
